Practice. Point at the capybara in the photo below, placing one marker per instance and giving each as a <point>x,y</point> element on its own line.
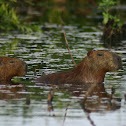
<point>10,67</point>
<point>91,69</point>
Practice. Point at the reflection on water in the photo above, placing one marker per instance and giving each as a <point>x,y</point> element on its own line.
<point>26,103</point>
<point>97,99</point>
<point>10,90</point>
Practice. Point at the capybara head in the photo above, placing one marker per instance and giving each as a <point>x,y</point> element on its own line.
<point>10,67</point>
<point>95,65</point>
<point>105,60</point>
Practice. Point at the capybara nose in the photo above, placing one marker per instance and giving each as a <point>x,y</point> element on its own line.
<point>25,66</point>
<point>118,61</point>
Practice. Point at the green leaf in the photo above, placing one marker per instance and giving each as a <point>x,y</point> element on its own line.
<point>106,18</point>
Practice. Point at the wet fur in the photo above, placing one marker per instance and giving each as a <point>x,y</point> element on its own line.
<point>10,67</point>
<point>91,69</point>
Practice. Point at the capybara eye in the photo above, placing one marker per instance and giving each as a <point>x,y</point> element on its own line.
<point>100,54</point>
<point>12,61</point>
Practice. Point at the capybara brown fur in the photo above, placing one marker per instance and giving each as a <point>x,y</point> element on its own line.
<point>91,69</point>
<point>10,67</point>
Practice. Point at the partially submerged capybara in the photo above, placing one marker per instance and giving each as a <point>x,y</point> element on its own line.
<point>10,67</point>
<point>91,69</point>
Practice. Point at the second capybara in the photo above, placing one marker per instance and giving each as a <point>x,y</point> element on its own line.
<point>91,69</point>
<point>10,67</point>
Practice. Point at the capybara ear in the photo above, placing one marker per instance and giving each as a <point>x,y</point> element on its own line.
<point>89,52</point>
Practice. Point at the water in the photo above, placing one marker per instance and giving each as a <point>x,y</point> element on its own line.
<point>25,103</point>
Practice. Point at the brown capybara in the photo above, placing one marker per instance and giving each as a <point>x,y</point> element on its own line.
<point>10,67</point>
<point>91,69</point>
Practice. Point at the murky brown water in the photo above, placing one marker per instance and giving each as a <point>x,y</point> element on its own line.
<point>25,103</point>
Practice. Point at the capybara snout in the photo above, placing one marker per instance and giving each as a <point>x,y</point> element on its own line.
<point>117,60</point>
<point>10,67</point>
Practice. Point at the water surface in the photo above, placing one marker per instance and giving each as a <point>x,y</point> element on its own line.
<point>25,103</point>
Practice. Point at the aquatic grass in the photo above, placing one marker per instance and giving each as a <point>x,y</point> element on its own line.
<point>106,6</point>
<point>10,20</point>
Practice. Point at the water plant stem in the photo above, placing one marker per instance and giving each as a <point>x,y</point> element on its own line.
<point>62,23</point>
